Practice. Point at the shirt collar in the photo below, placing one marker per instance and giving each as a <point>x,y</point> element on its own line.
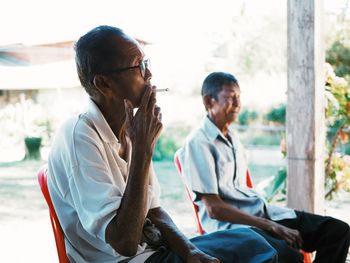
<point>212,131</point>
<point>100,123</point>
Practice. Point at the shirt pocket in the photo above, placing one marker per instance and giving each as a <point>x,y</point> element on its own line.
<point>226,173</point>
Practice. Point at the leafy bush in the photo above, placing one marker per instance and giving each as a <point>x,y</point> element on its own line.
<point>337,170</point>
<point>339,174</point>
<point>338,55</point>
<point>277,115</point>
<point>338,119</point>
<point>274,186</point>
<point>168,142</point>
<point>165,148</point>
<point>246,117</point>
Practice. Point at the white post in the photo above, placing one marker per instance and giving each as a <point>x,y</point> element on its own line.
<point>305,107</point>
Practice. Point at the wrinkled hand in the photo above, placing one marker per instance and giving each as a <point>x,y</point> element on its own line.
<point>144,128</point>
<point>291,236</point>
<point>198,256</point>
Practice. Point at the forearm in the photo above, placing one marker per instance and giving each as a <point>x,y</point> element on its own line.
<point>225,212</point>
<point>128,222</point>
<point>176,241</point>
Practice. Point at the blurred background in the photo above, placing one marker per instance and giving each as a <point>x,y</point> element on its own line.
<point>185,40</point>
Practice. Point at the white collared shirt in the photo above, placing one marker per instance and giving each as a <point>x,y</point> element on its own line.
<point>87,179</point>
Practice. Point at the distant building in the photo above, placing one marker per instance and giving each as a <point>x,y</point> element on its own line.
<point>35,70</point>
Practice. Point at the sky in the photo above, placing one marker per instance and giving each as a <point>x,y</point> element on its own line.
<point>40,21</point>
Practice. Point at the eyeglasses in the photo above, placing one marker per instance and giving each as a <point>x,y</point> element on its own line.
<point>144,64</point>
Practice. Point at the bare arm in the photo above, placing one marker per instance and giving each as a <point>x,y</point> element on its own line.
<point>131,214</point>
<point>176,241</point>
<point>218,209</point>
<point>143,130</point>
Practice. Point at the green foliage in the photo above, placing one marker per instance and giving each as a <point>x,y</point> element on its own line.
<point>168,142</point>
<point>277,114</point>
<point>347,149</point>
<point>338,97</point>
<point>338,55</point>
<point>337,113</point>
<point>333,127</point>
<point>338,119</point>
<point>165,148</point>
<point>260,172</point>
<point>270,139</point>
<point>338,176</point>
<point>277,185</point>
<point>247,117</point>
<point>33,145</point>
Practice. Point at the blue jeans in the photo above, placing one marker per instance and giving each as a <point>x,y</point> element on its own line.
<point>229,246</point>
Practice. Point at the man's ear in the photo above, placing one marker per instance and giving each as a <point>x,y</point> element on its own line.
<point>207,101</point>
<point>102,84</point>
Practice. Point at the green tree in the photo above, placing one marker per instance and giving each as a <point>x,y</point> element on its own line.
<point>169,141</point>
<point>246,117</point>
<point>277,114</point>
<point>338,55</point>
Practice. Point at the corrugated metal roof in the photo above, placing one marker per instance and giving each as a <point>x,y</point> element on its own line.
<point>26,55</point>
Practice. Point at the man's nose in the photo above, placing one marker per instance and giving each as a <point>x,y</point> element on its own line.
<point>148,74</point>
<point>236,103</point>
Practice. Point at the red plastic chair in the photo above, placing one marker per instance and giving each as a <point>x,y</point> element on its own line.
<point>307,256</point>
<point>56,227</point>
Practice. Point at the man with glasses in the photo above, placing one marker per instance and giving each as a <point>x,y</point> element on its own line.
<point>143,66</point>
<point>101,179</point>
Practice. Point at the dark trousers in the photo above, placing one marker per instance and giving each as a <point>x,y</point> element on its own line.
<point>328,236</point>
<point>229,246</point>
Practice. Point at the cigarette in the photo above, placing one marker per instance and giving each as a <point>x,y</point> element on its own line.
<point>161,90</point>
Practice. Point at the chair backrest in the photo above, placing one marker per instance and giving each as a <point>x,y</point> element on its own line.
<point>307,256</point>
<point>56,227</point>
<point>194,206</point>
<point>249,180</point>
